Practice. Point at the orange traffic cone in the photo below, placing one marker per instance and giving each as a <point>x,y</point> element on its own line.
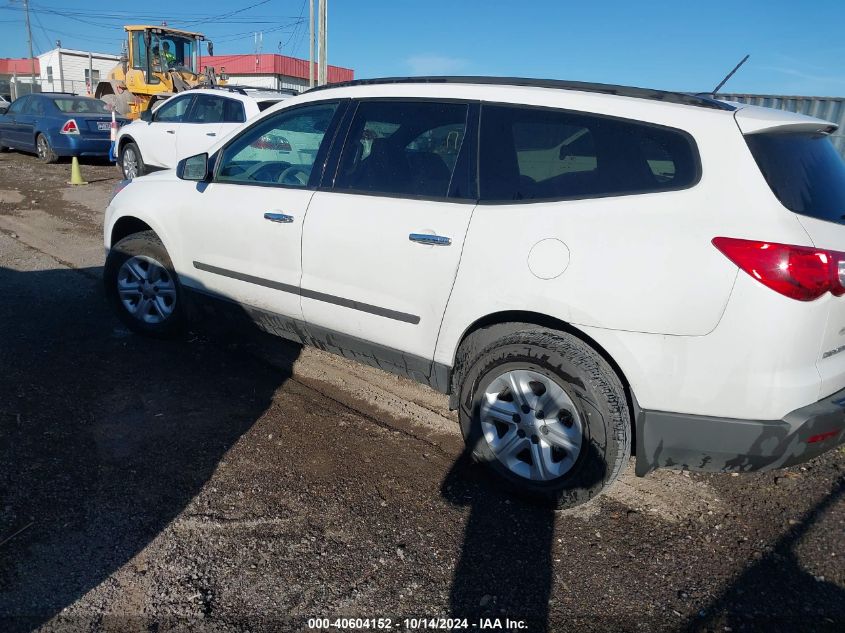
<point>75,174</point>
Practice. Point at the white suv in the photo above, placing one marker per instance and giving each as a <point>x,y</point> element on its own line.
<point>578,265</point>
<point>186,124</point>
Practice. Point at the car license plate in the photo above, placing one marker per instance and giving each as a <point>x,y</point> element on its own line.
<point>103,125</point>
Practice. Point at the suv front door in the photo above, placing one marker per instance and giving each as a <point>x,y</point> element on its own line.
<point>158,143</point>
<point>242,232</point>
<point>382,241</point>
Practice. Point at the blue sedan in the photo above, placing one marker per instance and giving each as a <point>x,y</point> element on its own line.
<point>53,125</point>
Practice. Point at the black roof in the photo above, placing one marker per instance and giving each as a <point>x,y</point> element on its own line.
<point>683,98</point>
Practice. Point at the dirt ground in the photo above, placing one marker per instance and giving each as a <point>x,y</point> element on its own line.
<point>203,485</point>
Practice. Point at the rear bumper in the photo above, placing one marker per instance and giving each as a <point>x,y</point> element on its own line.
<point>72,145</point>
<point>702,443</point>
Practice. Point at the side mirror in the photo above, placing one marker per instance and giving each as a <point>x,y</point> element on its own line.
<point>210,46</point>
<point>193,168</point>
<point>3,109</point>
<point>146,115</point>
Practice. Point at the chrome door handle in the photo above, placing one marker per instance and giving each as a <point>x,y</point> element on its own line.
<point>282,218</point>
<point>211,133</point>
<point>432,240</point>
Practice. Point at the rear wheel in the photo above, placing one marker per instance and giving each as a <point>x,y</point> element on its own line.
<point>131,163</point>
<point>544,411</point>
<point>44,151</point>
<point>143,287</point>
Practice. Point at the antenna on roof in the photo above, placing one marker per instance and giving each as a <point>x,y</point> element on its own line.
<point>729,75</point>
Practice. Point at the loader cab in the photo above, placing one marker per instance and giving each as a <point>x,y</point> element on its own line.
<point>165,51</point>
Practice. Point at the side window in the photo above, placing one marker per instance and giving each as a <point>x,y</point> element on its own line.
<point>173,111</point>
<point>35,107</point>
<point>403,148</point>
<point>233,111</point>
<point>281,149</point>
<point>18,105</point>
<point>541,154</point>
<point>139,51</point>
<point>207,109</point>
<point>214,109</point>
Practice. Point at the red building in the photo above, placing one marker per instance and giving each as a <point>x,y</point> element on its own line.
<point>270,70</point>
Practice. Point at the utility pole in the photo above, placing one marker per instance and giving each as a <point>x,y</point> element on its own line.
<point>325,31</point>
<point>29,41</point>
<point>322,23</point>
<point>310,43</point>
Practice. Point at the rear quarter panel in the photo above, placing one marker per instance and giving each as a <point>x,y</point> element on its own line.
<point>640,263</point>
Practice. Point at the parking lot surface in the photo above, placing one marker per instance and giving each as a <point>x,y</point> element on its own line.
<point>229,485</point>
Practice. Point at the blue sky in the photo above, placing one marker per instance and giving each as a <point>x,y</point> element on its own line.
<point>677,45</point>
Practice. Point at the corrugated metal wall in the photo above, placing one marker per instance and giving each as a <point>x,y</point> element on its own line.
<point>827,108</point>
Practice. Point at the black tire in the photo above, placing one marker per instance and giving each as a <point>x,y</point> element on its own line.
<point>133,148</point>
<point>47,155</point>
<point>145,244</point>
<point>591,384</point>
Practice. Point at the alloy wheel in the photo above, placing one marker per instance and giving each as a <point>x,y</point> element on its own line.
<point>130,163</point>
<point>42,148</point>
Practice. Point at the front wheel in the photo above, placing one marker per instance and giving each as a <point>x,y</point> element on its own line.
<point>143,288</point>
<point>545,412</point>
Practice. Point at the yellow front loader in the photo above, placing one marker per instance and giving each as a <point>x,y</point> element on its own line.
<point>157,62</point>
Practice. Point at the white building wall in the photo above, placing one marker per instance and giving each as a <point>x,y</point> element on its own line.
<point>74,65</point>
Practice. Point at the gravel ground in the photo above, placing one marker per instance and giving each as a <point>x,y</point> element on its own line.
<point>204,485</point>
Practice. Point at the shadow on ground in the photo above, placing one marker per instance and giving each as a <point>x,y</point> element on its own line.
<point>505,568</point>
<point>104,436</point>
<point>776,593</point>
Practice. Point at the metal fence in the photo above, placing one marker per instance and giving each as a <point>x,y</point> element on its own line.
<point>19,86</point>
<point>828,108</point>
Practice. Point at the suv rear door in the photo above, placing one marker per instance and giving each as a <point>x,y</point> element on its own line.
<point>210,117</point>
<point>383,236</point>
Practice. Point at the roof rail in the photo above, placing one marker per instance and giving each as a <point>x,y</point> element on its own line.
<point>243,89</point>
<point>582,86</point>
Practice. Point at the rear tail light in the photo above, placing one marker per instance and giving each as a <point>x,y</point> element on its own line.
<point>70,127</point>
<point>797,272</point>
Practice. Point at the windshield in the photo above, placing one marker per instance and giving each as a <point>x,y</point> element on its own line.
<point>167,51</point>
<point>804,171</point>
<point>81,105</point>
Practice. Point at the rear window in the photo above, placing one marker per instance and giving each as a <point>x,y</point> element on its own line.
<point>81,105</point>
<point>804,171</point>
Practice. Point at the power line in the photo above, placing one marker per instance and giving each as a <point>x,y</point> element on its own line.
<point>43,31</point>
<point>229,14</point>
<point>296,28</point>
